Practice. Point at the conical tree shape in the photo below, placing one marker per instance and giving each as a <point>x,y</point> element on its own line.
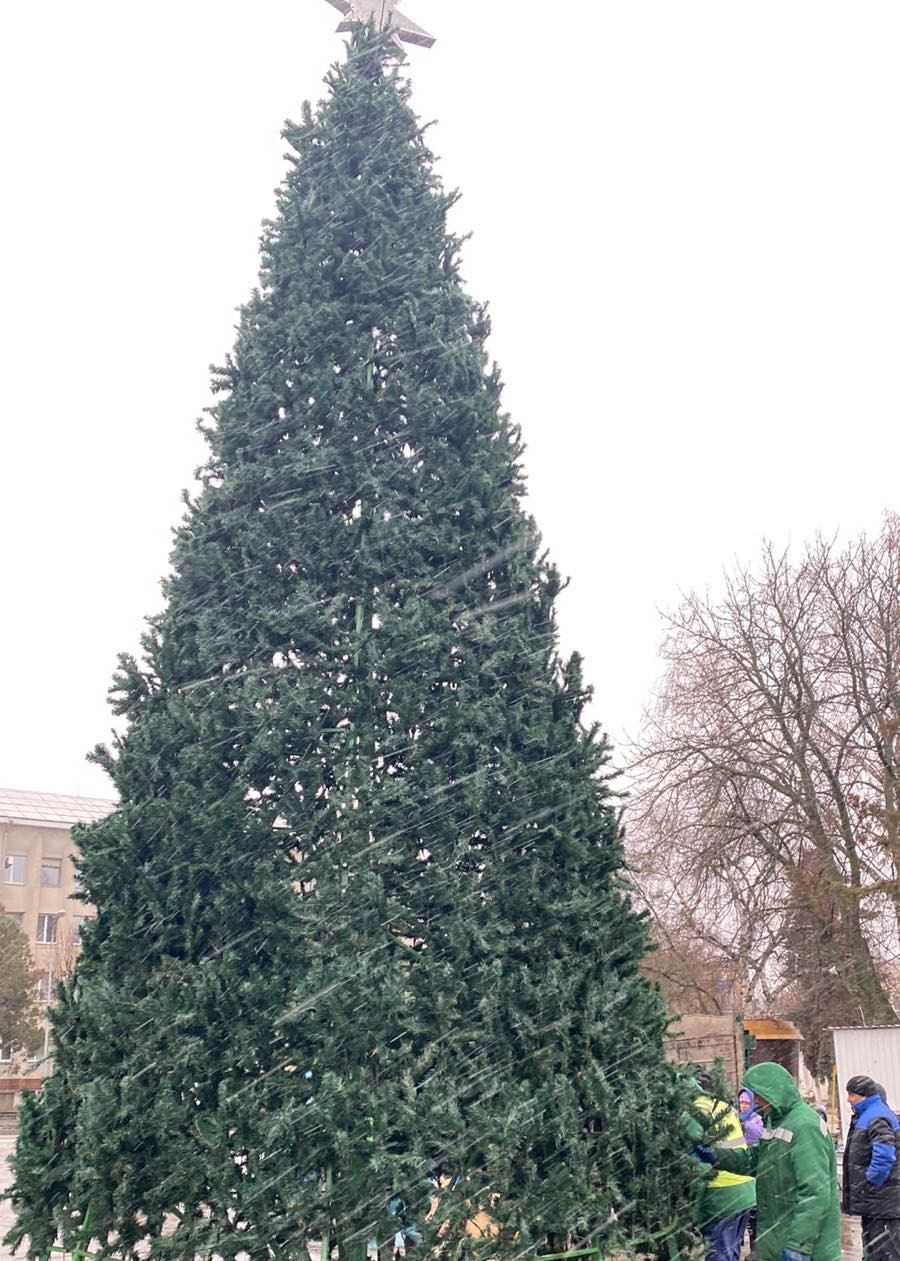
<point>362,919</point>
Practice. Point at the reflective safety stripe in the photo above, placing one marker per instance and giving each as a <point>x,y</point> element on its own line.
<point>786,1135</point>
<point>725,1118</point>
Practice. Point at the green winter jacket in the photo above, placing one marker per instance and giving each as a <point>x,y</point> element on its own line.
<point>794,1164</point>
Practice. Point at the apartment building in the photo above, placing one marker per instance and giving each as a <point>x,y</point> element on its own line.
<point>37,883</point>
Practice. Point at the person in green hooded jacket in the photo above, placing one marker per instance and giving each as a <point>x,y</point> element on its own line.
<point>798,1215</point>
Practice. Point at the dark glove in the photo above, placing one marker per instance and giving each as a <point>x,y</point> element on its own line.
<point>791,1254</point>
<point>708,1156</point>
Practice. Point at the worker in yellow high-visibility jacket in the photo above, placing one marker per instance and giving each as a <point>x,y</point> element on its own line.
<point>724,1208</point>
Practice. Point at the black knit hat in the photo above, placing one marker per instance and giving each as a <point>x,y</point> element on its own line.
<point>862,1086</point>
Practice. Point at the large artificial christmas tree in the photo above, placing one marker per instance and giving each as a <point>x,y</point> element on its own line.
<point>364,959</point>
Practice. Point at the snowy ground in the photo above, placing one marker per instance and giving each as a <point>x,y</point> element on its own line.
<point>850,1227</point>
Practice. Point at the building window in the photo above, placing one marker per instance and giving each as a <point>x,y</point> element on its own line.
<point>18,916</point>
<point>78,923</point>
<point>50,869</point>
<point>45,987</point>
<point>14,869</point>
<point>46,929</point>
<point>5,1053</point>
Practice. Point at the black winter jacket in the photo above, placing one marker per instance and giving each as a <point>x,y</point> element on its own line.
<point>872,1161</point>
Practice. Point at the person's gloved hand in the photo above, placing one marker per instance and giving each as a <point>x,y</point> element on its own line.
<point>700,1152</point>
<point>791,1254</point>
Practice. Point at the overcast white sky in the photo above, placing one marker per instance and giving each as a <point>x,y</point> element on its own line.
<point>686,218</point>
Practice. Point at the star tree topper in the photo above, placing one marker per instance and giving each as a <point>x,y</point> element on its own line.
<point>385,16</point>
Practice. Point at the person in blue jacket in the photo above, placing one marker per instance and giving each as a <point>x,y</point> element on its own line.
<point>871,1187</point>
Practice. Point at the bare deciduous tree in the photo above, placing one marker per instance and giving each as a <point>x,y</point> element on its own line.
<point>767,780</point>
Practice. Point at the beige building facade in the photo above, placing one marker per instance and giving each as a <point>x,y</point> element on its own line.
<point>37,887</point>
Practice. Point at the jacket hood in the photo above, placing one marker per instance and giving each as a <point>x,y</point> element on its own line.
<point>746,1094</point>
<point>775,1084</point>
<point>874,1106</point>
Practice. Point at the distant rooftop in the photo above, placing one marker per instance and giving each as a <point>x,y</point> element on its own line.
<point>51,809</point>
<point>773,1030</point>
